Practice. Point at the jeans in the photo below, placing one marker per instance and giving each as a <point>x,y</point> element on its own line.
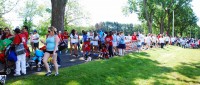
<point>58,57</point>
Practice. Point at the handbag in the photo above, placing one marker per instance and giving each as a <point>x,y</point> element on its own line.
<point>62,46</point>
<point>19,49</point>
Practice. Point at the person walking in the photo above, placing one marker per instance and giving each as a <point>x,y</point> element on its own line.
<point>51,43</point>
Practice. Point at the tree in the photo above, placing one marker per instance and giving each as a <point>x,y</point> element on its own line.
<point>6,6</point>
<point>30,11</point>
<point>58,12</point>
<point>74,13</point>
<point>145,8</point>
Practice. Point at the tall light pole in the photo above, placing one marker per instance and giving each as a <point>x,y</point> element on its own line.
<point>173,25</point>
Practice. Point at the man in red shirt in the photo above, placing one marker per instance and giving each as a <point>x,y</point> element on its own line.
<point>21,59</point>
<point>134,41</point>
<point>109,43</point>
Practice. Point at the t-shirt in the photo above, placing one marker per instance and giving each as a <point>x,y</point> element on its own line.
<point>104,50</point>
<point>114,38</point>
<point>26,34</point>
<point>109,40</point>
<point>162,40</point>
<point>118,38</point>
<point>141,38</point>
<point>65,35</point>
<point>134,38</point>
<point>154,39</point>
<point>36,38</point>
<point>74,39</point>
<point>87,46</point>
<point>199,42</point>
<point>167,38</point>
<point>20,38</point>
<point>147,39</point>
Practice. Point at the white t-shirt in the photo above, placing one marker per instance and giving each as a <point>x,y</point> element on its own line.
<point>95,42</point>
<point>35,36</point>
<point>162,40</point>
<point>167,38</point>
<point>172,39</point>
<point>74,39</point>
<point>118,38</point>
<point>147,39</point>
<point>141,38</point>
<point>154,39</point>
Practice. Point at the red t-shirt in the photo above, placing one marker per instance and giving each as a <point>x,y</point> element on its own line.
<point>26,34</point>
<point>23,39</point>
<point>134,38</point>
<point>65,35</point>
<point>109,40</point>
<point>104,50</point>
<point>87,46</point>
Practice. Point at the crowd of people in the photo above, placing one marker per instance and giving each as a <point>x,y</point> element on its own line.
<point>105,44</point>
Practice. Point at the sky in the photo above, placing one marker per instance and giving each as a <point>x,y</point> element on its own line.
<point>99,10</point>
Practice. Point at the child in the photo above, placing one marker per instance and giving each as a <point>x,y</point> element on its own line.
<point>109,43</point>
<point>87,49</point>
<point>104,52</point>
<point>122,45</point>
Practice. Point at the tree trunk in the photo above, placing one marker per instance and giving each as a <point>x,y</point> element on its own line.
<point>149,20</point>
<point>58,13</point>
<point>161,25</point>
<point>169,21</point>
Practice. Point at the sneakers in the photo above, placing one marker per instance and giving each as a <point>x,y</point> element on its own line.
<point>59,66</point>
<point>48,74</point>
<point>17,74</point>
<point>56,74</point>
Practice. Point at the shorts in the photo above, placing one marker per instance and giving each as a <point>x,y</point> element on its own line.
<point>74,43</point>
<point>166,42</point>
<point>121,46</point>
<point>50,52</point>
<point>36,45</point>
<point>143,43</point>
<point>138,46</point>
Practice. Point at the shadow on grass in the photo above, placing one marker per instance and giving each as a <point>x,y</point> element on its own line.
<point>190,70</point>
<point>116,71</point>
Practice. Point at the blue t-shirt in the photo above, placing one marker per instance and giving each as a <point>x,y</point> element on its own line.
<point>84,38</point>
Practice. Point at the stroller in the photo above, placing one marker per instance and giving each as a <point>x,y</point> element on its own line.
<point>36,61</point>
<point>9,60</point>
<point>7,56</point>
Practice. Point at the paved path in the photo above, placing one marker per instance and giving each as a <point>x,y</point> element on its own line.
<point>66,61</point>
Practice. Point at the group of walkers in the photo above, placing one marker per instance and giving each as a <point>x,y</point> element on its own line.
<point>103,44</point>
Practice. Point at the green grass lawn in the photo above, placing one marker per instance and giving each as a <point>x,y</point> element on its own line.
<point>172,65</point>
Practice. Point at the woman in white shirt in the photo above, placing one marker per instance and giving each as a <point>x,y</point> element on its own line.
<point>162,41</point>
<point>73,42</point>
